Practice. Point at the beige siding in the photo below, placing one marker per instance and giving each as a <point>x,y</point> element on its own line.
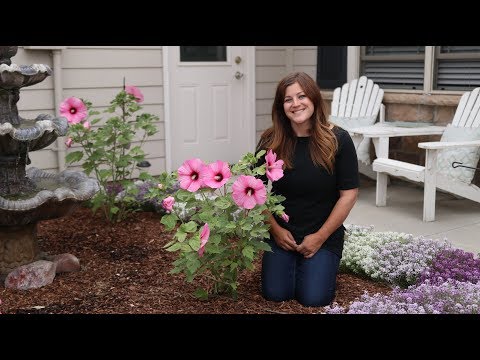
<point>270,67</point>
<point>97,73</point>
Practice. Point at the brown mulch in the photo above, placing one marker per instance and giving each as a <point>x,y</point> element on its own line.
<point>124,269</point>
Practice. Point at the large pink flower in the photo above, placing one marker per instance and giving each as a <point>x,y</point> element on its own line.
<point>190,174</point>
<point>248,191</point>
<point>204,235</point>
<point>216,174</point>
<point>73,109</point>
<point>133,90</point>
<point>274,168</point>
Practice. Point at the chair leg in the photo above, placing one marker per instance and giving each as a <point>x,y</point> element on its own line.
<point>381,191</point>
<point>429,202</point>
<point>430,186</point>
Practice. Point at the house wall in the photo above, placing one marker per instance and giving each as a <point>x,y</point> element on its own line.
<point>96,73</point>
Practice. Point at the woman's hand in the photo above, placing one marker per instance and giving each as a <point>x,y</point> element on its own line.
<point>284,238</point>
<point>310,245</point>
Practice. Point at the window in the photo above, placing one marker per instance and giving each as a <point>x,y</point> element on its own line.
<point>394,67</point>
<point>457,67</point>
<point>425,68</point>
<point>331,66</point>
<point>203,53</point>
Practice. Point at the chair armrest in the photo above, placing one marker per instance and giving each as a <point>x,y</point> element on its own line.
<point>380,130</point>
<point>437,145</point>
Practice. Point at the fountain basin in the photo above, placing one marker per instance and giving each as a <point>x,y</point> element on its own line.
<point>17,76</point>
<point>56,195</point>
<point>31,135</point>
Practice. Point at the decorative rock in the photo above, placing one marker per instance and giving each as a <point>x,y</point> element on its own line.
<point>31,276</point>
<point>66,263</point>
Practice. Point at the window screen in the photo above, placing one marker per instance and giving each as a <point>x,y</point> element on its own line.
<point>394,67</point>
<point>457,68</point>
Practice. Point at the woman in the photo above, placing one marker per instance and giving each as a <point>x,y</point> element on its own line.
<point>320,184</point>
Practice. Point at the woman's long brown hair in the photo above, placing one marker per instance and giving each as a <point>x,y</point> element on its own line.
<point>281,138</point>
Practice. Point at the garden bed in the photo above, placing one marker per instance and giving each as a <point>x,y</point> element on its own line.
<point>125,269</point>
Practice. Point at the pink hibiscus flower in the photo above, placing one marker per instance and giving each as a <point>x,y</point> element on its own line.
<point>69,142</point>
<point>204,235</point>
<point>248,191</point>
<point>73,109</point>
<point>190,174</point>
<point>274,167</point>
<point>133,90</point>
<point>216,174</point>
<point>168,202</point>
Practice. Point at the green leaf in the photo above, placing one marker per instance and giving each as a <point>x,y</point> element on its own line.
<point>174,247</point>
<point>192,266</point>
<point>74,157</point>
<point>248,251</point>
<point>247,227</point>
<point>222,203</point>
<point>262,245</point>
<point>194,243</point>
<point>189,227</point>
<point>201,294</point>
<point>260,154</point>
<point>181,235</point>
<point>169,220</point>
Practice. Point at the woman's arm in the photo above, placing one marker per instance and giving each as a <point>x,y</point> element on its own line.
<point>311,243</point>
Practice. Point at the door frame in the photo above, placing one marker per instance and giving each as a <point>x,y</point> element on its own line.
<point>249,104</point>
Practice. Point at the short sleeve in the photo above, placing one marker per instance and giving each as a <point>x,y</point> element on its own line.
<point>346,162</point>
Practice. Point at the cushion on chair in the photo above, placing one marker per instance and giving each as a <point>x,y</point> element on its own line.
<point>363,146</point>
<point>468,155</point>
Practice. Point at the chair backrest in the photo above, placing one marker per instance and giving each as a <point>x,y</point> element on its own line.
<point>467,113</point>
<point>361,97</point>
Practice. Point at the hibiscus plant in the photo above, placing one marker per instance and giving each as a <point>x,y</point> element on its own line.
<point>220,214</point>
<point>111,149</point>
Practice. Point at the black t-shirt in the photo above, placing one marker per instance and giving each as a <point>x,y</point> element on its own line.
<point>311,192</point>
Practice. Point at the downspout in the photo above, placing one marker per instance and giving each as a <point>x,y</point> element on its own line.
<point>58,97</point>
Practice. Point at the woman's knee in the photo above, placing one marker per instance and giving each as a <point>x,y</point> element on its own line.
<point>277,292</point>
<point>316,300</point>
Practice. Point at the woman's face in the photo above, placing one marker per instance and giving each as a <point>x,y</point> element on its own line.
<point>298,108</point>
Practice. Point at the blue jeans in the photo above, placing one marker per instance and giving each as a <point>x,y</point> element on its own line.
<point>287,275</point>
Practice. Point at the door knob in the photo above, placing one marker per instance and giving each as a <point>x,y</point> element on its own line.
<point>238,75</point>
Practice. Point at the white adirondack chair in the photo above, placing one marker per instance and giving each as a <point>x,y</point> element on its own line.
<point>358,103</point>
<point>467,115</point>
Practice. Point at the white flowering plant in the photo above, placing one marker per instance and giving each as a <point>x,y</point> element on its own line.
<point>220,215</point>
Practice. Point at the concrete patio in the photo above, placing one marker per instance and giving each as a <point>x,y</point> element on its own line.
<point>457,219</point>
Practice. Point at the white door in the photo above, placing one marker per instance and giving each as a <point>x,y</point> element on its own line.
<point>210,107</point>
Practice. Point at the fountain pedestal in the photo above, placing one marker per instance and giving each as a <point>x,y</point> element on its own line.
<point>18,246</point>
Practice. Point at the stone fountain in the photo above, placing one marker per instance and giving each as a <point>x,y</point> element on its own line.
<point>28,196</point>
